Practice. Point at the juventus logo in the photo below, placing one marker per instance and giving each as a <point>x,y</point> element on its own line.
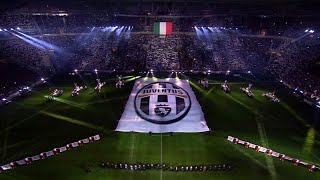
<point>162,110</point>
<point>162,103</point>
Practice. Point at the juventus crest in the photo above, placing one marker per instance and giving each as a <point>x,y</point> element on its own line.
<point>162,103</point>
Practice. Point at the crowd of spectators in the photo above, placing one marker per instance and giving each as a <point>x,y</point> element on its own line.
<point>162,52</point>
<point>86,48</point>
<point>292,65</point>
<point>25,54</point>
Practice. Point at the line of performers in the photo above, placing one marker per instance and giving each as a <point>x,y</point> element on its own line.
<point>77,88</point>
<point>247,90</point>
<point>142,167</point>
<point>272,153</point>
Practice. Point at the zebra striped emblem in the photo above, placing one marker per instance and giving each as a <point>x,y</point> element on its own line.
<point>162,103</point>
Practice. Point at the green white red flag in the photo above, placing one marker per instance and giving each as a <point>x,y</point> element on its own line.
<point>162,28</point>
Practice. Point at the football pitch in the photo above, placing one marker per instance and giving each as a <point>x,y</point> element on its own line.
<point>31,125</point>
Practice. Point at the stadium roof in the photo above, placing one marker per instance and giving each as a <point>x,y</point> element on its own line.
<point>257,7</point>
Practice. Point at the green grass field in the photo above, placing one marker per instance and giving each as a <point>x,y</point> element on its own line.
<point>32,125</point>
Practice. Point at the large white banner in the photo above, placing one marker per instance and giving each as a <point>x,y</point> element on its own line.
<point>162,105</point>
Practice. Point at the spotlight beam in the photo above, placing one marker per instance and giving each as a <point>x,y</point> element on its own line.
<point>43,43</point>
<point>132,79</point>
<point>72,120</point>
<point>29,41</point>
<point>70,103</point>
<point>119,31</point>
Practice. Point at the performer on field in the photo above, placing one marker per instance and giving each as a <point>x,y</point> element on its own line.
<point>99,85</point>
<point>119,82</point>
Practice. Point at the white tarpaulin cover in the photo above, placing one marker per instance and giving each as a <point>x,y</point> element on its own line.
<point>162,105</point>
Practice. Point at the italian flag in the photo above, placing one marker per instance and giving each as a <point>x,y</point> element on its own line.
<point>162,28</point>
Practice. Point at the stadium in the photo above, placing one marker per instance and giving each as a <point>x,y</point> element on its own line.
<point>159,89</point>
